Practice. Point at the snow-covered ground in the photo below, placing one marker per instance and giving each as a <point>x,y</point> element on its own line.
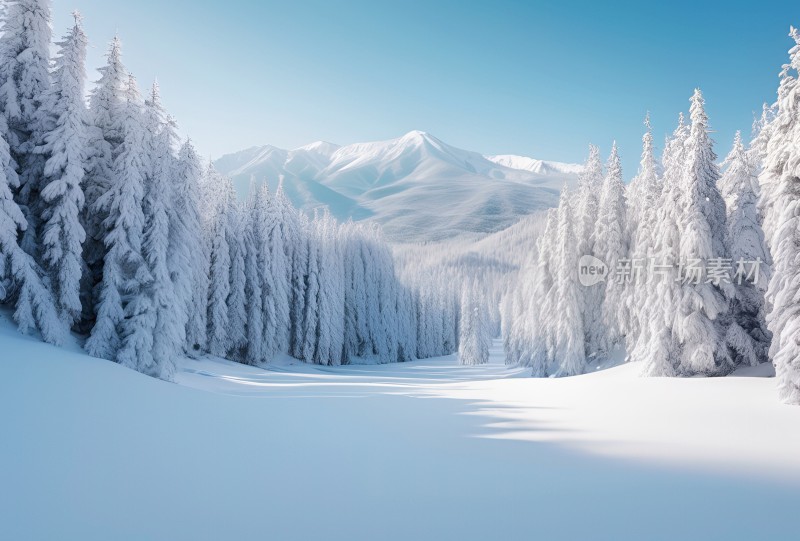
<point>424,450</point>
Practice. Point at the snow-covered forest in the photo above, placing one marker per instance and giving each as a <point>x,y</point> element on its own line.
<point>699,262</point>
<point>390,336</point>
<point>113,227</point>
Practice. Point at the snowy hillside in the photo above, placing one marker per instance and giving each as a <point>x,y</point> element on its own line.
<point>416,186</point>
<point>425,450</point>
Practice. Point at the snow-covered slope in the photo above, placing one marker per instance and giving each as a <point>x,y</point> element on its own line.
<point>416,186</point>
<point>537,166</point>
<point>423,450</point>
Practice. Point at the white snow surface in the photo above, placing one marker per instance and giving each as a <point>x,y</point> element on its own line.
<point>417,186</point>
<point>423,450</point>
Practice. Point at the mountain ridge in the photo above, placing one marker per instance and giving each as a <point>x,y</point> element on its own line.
<point>418,187</point>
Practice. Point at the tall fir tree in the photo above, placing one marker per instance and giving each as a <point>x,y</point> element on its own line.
<point>474,334</point>
<point>642,199</point>
<point>186,258</point>
<point>254,278</point>
<point>656,346</point>
<point>24,83</point>
<point>701,318</point>
<point>20,279</point>
<point>570,357</point>
<point>747,333</point>
<point>62,193</point>
<point>106,113</point>
<point>587,202</point>
<point>124,270</point>
<point>780,181</point>
<point>237,305</point>
<point>611,246</point>
<point>220,269</point>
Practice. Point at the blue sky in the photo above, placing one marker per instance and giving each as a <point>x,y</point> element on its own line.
<point>541,79</point>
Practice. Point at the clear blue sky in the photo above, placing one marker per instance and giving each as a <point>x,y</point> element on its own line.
<point>541,79</point>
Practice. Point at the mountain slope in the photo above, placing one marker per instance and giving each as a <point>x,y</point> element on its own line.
<point>416,186</point>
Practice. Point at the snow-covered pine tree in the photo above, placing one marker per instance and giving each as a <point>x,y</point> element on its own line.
<point>532,329</point>
<point>62,194</point>
<point>155,305</point>
<point>407,331</point>
<point>24,82</point>
<point>760,136</point>
<point>747,333</point>
<point>125,272</point>
<point>655,345</point>
<point>237,303</point>
<point>186,258</point>
<point>106,112</point>
<point>300,252</point>
<point>570,357</point>
<point>311,324</point>
<point>611,245</point>
<point>384,265</point>
<point>254,279</point>
<point>643,195</point>
<point>330,306</point>
<point>780,181</point>
<point>267,222</point>
<point>281,255</point>
<point>20,279</point>
<point>587,201</point>
<point>220,261</point>
<point>355,296</point>
<point>474,335</point>
<point>701,322</point>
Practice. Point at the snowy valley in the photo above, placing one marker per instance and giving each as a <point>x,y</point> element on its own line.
<point>394,452</point>
<point>395,340</point>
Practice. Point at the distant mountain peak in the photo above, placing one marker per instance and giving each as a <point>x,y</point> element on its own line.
<point>320,147</point>
<point>416,186</point>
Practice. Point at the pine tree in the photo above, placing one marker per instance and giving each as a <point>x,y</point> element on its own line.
<point>570,355</point>
<point>747,334</point>
<point>586,209</point>
<point>155,322</point>
<point>62,195</point>
<point>237,304</point>
<point>20,280</point>
<point>656,346</point>
<point>24,83</point>
<point>780,181</point>
<point>611,246</point>
<point>643,196</point>
<point>267,221</point>
<point>300,253</point>
<point>253,283</point>
<point>700,323</point>
<point>124,270</point>
<point>474,337</point>
<point>543,302</point>
<point>220,273</point>
<point>186,257</point>
<point>106,112</point>
<point>311,331</point>
<point>280,258</point>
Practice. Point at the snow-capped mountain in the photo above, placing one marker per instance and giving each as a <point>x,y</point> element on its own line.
<point>416,186</point>
<point>534,165</point>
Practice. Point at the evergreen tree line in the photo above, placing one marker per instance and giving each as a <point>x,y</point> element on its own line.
<point>111,226</point>
<point>679,210</point>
